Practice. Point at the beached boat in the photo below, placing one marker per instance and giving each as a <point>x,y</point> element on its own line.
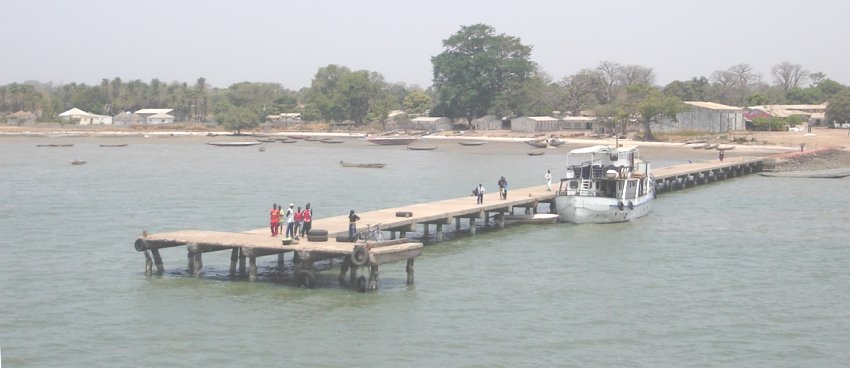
<point>710,146</point>
<point>54,145</point>
<point>314,139</point>
<point>286,140</point>
<point>234,144</point>
<point>536,153</point>
<point>295,136</point>
<point>392,140</point>
<point>472,143</point>
<point>421,148</point>
<point>698,145</point>
<point>540,218</point>
<point>721,147</point>
<point>604,185</point>
<point>369,166</point>
<point>78,162</point>
<point>261,149</point>
<point>114,145</point>
<point>817,174</point>
<point>332,141</point>
<point>555,142</point>
<point>266,140</point>
<point>538,143</point>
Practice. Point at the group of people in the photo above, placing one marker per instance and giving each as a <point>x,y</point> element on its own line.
<point>298,222</point>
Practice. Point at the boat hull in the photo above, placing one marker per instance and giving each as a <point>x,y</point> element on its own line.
<point>600,210</point>
<point>392,141</point>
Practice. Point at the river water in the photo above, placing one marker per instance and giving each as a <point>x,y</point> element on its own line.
<point>749,272</point>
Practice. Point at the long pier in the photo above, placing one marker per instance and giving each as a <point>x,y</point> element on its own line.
<point>330,239</point>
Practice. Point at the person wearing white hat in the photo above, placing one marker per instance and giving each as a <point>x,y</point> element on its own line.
<point>290,221</point>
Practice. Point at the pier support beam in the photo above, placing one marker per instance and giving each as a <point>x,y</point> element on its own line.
<point>280,260</point>
<point>457,223</point>
<point>234,256</point>
<point>486,218</point>
<point>252,268</point>
<point>402,234</point>
<point>148,263</point>
<point>241,261</point>
<point>472,225</point>
<point>352,275</point>
<point>157,260</point>
<point>392,234</point>
<point>191,264</point>
<point>425,231</point>
<point>501,221</point>
<point>343,269</point>
<point>439,232</point>
<point>409,270</point>
<point>373,278</point>
<point>199,264</point>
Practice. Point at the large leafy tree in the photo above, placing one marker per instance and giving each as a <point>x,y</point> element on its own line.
<point>838,110</point>
<point>478,70</point>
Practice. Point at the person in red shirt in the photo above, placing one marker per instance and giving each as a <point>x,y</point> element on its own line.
<point>298,218</point>
<point>307,219</point>
<point>274,219</point>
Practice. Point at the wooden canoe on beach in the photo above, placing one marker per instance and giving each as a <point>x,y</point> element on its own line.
<point>818,174</point>
<point>234,144</point>
<point>472,143</point>
<point>114,145</point>
<point>368,166</point>
<point>421,148</point>
<point>536,153</point>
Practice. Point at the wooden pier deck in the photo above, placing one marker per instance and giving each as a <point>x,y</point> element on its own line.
<point>397,222</point>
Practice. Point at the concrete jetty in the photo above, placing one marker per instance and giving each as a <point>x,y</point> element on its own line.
<point>330,234</point>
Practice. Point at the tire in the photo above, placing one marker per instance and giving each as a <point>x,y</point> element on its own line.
<point>317,238</point>
<point>620,205</point>
<point>306,279</point>
<point>140,245</point>
<point>631,205</point>
<point>318,232</point>
<point>361,284</point>
<point>344,239</point>
<point>360,255</point>
<point>404,214</point>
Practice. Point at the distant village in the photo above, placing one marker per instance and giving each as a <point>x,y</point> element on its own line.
<point>700,117</point>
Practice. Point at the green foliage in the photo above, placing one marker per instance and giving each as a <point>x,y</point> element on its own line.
<point>478,71</point>
<point>417,102</point>
<point>692,90</point>
<point>838,110</point>
<point>238,118</point>
<point>769,123</point>
<point>656,106</point>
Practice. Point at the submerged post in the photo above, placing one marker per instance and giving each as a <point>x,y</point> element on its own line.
<point>439,232</point>
<point>234,256</point>
<point>373,278</point>
<point>409,270</point>
<point>157,260</point>
<point>252,268</point>
<point>343,269</point>
<point>472,225</point>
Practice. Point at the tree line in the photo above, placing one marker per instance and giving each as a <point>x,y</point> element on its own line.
<point>479,72</point>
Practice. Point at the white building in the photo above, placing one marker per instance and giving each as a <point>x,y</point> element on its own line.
<point>84,118</point>
<point>532,124</point>
<point>160,118</point>
<point>430,124</point>
<point>703,117</point>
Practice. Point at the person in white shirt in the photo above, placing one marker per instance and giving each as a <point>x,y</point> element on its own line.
<point>548,181</point>
<point>290,221</point>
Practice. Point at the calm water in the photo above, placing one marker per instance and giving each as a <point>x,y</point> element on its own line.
<point>751,272</point>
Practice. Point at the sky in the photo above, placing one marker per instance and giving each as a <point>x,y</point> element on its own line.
<point>286,42</point>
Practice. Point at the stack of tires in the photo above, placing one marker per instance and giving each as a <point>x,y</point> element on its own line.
<point>317,235</point>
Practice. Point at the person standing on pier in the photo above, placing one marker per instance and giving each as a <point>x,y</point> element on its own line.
<point>502,182</point>
<point>307,218</point>
<point>548,177</point>
<point>479,192</point>
<point>274,219</point>
<point>721,155</point>
<point>352,224</point>
<point>298,222</point>
<point>290,220</point>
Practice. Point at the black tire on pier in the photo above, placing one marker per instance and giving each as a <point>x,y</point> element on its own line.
<point>631,205</point>
<point>361,284</point>
<point>317,238</point>
<point>306,279</point>
<point>404,214</point>
<point>140,245</point>
<point>620,205</point>
<point>344,238</point>
<point>360,255</point>
<point>319,232</point>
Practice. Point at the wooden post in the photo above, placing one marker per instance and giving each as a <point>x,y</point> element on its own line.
<point>392,234</point>
<point>280,260</point>
<point>409,270</point>
<point>148,263</point>
<point>501,219</point>
<point>252,268</point>
<point>424,232</point>
<point>486,218</point>
<point>157,260</point>
<point>402,234</point>
<point>373,278</point>
<point>472,225</point>
<point>352,275</point>
<point>241,261</point>
<point>439,232</point>
<point>343,269</point>
<point>234,256</point>
<point>191,261</point>
<point>199,263</point>
<point>457,223</point>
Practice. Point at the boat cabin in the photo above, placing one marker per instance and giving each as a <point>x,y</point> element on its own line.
<point>602,171</point>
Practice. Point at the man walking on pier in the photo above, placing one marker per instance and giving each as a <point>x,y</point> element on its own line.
<point>480,193</point>
<point>352,225</point>
<point>548,177</point>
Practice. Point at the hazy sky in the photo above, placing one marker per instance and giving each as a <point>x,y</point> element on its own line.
<point>286,42</point>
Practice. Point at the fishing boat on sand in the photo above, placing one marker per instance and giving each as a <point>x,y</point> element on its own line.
<point>368,166</point>
<point>555,142</point>
<point>421,148</point>
<point>234,144</point>
<point>817,174</point>
<point>392,140</point>
<point>536,153</point>
<point>604,185</point>
<point>472,143</point>
<point>541,143</point>
<point>114,145</point>
<point>332,141</point>
<point>722,147</point>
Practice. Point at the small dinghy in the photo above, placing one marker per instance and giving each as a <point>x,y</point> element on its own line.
<point>472,143</point>
<point>78,162</point>
<point>234,144</point>
<point>421,148</point>
<point>368,166</point>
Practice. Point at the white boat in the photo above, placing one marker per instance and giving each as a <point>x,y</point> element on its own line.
<point>604,185</point>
